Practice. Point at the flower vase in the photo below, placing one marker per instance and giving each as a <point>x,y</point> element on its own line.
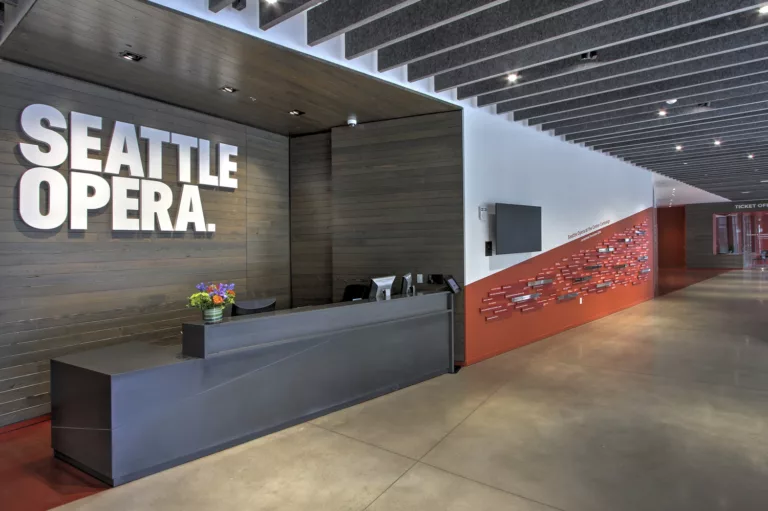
<point>213,315</point>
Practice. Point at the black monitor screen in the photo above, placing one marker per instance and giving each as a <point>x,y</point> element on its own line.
<point>518,229</point>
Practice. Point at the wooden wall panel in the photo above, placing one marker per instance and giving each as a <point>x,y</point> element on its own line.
<point>69,291</point>
<point>311,268</point>
<point>398,201</point>
<point>268,217</point>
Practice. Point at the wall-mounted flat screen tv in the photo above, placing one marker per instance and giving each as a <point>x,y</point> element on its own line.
<point>518,229</point>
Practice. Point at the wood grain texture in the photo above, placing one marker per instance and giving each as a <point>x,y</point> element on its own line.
<point>188,61</point>
<point>311,253</point>
<point>70,291</point>
<point>397,189</point>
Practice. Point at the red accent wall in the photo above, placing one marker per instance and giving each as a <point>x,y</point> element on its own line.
<point>671,228</point>
<point>501,314</point>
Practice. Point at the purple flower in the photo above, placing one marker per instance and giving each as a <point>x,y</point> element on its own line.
<point>200,286</point>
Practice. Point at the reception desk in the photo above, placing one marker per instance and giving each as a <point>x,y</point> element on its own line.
<point>127,411</point>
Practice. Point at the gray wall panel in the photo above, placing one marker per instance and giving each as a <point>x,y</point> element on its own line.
<point>311,268</point>
<point>398,201</point>
<point>69,291</point>
<point>698,238</point>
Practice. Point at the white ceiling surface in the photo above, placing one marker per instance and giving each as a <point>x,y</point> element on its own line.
<point>670,192</point>
<point>292,34</point>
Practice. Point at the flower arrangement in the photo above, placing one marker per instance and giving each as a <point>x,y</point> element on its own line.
<point>212,296</point>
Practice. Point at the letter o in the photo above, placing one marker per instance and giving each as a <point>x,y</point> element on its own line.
<point>29,198</point>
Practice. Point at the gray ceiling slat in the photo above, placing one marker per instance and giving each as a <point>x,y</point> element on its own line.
<point>746,104</point>
<point>505,17</point>
<point>646,94</point>
<point>760,116</point>
<point>716,180</point>
<point>668,153</point>
<point>408,22</point>
<point>610,78</point>
<point>213,5</point>
<point>616,93</point>
<point>694,147</point>
<point>626,150</point>
<point>334,17</point>
<point>274,14</point>
<point>674,138</point>
<point>649,124</point>
<point>738,159</point>
<point>539,42</point>
<point>683,106</point>
<point>671,18</point>
<point>680,44</point>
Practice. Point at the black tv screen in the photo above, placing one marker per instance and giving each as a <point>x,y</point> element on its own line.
<point>518,229</point>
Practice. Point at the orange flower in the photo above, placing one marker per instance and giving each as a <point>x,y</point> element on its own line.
<point>217,300</point>
<point>231,293</point>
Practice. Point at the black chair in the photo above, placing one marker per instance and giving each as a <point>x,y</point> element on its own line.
<point>253,306</point>
<point>355,292</point>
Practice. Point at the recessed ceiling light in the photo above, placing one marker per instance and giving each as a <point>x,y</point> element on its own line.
<point>513,77</point>
<point>686,163</point>
<point>671,101</point>
<point>751,156</point>
<point>271,2</point>
<point>296,113</point>
<point>717,142</point>
<point>663,113</point>
<point>678,148</point>
<point>746,192</point>
<point>763,9</point>
<point>764,181</point>
<point>228,88</point>
<point>130,56</point>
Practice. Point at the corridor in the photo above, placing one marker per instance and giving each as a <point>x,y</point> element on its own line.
<point>660,407</point>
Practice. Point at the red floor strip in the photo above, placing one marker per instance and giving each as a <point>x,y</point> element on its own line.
<point>31,479</point>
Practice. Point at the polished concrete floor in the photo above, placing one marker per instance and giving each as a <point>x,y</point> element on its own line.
<point>661,407</point>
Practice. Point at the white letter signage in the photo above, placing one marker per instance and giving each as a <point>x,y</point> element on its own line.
<point>139,200</point>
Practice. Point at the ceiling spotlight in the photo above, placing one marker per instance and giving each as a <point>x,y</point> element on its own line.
<point>751,156</point>
<point>271,2</point>
<point>296,113</point>
<point>717,142</point>
<point>513,77</point>
<point>763,9</point>
<point>671,101</point>
<point>662,113</point>
<point>130,56</point>
<point>229,89</point>
<point>685,163</point>
<point>746,192</point>
<point>678,148</point>
<point>764,181</point>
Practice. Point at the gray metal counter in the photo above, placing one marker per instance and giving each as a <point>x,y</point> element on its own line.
<point>127,411</point>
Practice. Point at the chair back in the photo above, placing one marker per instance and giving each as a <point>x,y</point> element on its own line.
<point>246,307</point>
<point>355,292</point>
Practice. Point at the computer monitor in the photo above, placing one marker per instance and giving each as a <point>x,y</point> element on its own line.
<point>404,284</point>
<point>379,287</point>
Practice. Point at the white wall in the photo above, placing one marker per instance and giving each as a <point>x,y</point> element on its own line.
<point>575,187</point>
